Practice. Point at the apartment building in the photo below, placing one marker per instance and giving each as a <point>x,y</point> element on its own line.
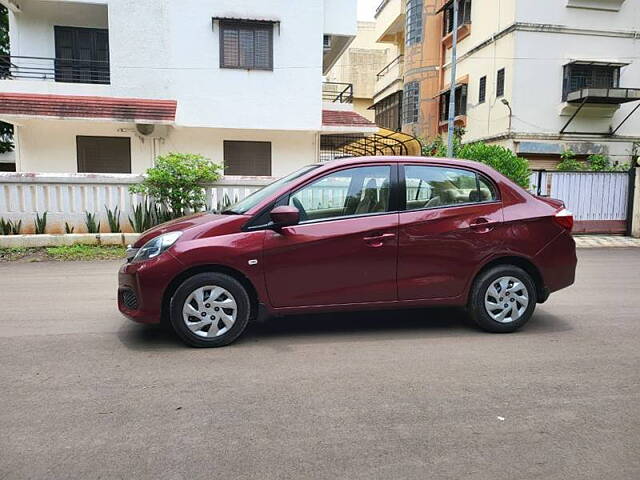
<point>537,77</point>
<point>106,86</point>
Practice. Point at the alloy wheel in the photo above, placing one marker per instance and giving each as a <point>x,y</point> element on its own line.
<point>209,311</point>
<point>506,299</point>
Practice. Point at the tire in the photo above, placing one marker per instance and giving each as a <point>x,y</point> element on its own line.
<point>499,286</point>
<point>226,316</point>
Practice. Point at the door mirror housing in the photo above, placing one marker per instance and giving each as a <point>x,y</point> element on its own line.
<point>285,216</point>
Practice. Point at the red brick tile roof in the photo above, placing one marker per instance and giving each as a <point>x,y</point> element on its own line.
<point>342,118</point>
<point>74,106</point>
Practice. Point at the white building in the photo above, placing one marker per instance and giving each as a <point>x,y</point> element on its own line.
<point>544,76</point>
<point>107,85</point>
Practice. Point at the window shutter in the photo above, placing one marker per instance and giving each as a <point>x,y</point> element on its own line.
<point>263,49</point>
<point>500,83</point>
<point>482,95</point>
<point>246,48</point>
<point>230,48</point>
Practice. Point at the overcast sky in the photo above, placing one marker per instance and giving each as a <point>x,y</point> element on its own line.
<point>366,9</point>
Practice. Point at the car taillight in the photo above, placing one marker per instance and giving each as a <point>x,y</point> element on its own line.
<point>564,218</point>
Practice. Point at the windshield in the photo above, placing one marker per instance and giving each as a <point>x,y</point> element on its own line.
<point>258,196</point>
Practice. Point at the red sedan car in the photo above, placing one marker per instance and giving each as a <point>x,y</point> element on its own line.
<point>363,233</point>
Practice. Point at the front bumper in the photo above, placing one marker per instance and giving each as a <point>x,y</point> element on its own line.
<point>141,287</point>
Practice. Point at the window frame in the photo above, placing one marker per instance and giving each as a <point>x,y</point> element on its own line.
<point>229,144</point>
<point>464,16</point>
<point>501,76</point>
<point>460,104</point>
<point>482,90</point>
<point>411,92</point>
<point>284,199</point>
<point>569,72</point>
<point>253,26</point>
<point>414,24</point>
<point>403,182</point>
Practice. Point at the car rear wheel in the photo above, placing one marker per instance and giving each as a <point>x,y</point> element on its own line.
<point>210,310</point>
<point>502,299</point>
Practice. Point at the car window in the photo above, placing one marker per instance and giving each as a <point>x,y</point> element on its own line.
<point>431,187</point>
<point>488,190</point>
<point>354,191</point>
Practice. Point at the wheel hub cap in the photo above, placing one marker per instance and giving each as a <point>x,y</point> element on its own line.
<point>515,303</point>
<point>209,311</point>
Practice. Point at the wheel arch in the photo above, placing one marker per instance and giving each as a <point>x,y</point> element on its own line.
<point>209,268</point>
<point>525,264</point>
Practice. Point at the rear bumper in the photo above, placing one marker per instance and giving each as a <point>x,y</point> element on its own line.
<point>141,287</point>
<point>557,262</point>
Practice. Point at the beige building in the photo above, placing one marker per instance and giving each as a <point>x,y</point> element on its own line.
<point>359,65</point>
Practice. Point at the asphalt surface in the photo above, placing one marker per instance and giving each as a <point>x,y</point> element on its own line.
<point>420,394</point>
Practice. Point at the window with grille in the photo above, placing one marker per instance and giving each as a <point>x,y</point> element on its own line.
<point>464,15</point>
<point>578,76</point>
<point>247,158</point>
<point>482,91</point>
<point>411,102</point>
<point>500,83</point>
<point>414,22</point>
<point>460,103</point>
<point>389,112</point>
<point>246,45</point>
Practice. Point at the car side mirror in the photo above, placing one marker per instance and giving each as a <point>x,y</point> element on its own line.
<point>285,216</point>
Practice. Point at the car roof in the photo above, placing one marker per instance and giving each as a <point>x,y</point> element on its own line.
<point>445,161</point>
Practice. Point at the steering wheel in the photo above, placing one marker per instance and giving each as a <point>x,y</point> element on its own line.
<point>298,204</point>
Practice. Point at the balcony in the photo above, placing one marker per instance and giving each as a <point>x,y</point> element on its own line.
<point>390,21</point>
<point>337,93</point>
<point>45,69</point>
<point>390,78</point>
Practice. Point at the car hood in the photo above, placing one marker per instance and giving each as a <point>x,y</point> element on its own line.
<point>192,225</point>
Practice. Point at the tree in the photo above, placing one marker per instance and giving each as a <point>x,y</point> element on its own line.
<point>176,182</point>
<point>6,130</point>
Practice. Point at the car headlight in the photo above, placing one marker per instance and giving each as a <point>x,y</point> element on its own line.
<point>156,246</point>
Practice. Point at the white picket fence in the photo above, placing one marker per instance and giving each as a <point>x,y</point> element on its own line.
<point>67,197</point>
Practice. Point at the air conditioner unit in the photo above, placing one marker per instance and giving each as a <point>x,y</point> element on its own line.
<point>152,131</point>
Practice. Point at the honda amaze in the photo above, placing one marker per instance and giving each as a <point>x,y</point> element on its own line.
<point>357,234</point>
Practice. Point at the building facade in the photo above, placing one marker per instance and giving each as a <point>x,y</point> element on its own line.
<point>537,77</point>
<point>108,85</point>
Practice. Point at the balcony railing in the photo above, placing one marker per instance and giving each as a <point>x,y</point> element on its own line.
<point>396,61</point>
<point>54,69</point>
<point>337,92</point>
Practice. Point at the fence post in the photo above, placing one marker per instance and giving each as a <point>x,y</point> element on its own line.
<point>633,213</point>
<point>539,182</point>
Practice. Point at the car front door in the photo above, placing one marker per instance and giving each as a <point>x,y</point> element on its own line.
<point>344,250</point>
<point>451,222</point>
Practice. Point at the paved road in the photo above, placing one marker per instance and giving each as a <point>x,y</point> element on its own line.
<point>85,394</point>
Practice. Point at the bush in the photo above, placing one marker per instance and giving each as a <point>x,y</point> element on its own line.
<point>499,158</point>
<point>176,182</point>
<point>569,162</point>
<point>598,163</point>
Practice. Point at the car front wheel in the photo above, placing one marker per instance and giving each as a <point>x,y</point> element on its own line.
<point>502,299</point>
<point>210,310</point>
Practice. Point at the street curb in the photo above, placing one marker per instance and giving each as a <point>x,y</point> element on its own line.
<point>46,240</point>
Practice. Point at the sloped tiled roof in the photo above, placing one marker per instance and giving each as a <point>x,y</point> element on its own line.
<point>76,106</point>
<point>344,118</point>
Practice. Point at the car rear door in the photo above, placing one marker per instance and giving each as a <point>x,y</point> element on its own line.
<point>452,220</point>
<point>344,250</point>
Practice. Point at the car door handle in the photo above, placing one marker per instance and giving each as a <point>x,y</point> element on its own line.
<point>378,240</point>
<point>482,225</point>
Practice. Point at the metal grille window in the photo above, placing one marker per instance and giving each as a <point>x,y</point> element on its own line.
<point>464,15</point>
<point>247,158</point>
<point>246,45</point>
<point>578,76</point>
<point>411,102</point>
<point>414,22</point>
<point>389,112</point>
<point>482,93</point>
<point>500,83</point>
<point>460,103</point>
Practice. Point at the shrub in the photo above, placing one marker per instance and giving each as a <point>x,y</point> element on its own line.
<point>113,217</point>
<point>175,183</point>
<point>598,163</point>
<point>5,227</point>
<point>68,229</point>
<point>40,223</point>
<point>499,158</point>
<point>569,162</point>
<point>90,222</point>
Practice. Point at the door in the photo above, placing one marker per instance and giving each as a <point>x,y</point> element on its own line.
<point>345,248</point>
<point>82,55</point>
<point>452,220</point>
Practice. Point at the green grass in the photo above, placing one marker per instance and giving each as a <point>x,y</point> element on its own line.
<point>64,253</point>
